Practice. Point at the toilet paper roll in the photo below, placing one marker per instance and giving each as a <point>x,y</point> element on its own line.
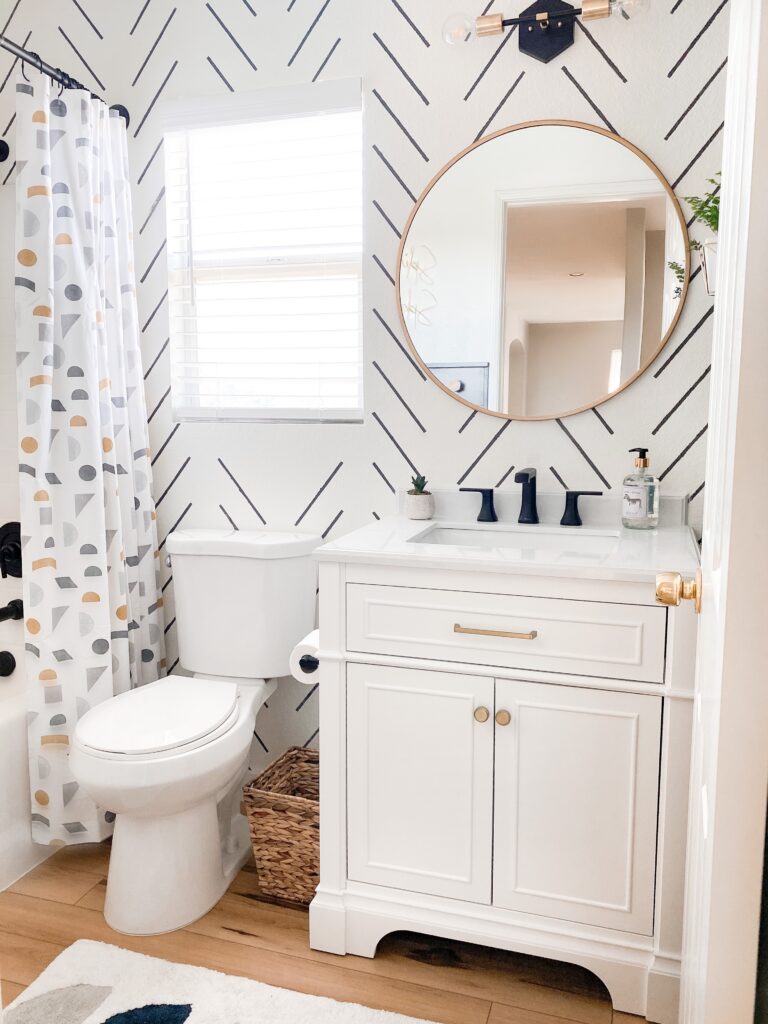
<point>303,661</point>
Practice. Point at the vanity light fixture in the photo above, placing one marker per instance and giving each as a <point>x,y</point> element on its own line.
<point>545,28</point>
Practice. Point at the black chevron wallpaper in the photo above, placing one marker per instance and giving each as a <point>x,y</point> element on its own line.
<point>657,80</point>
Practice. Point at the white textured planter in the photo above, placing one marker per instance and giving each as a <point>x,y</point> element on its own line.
<point>419,506</point>
<point>708,257</point>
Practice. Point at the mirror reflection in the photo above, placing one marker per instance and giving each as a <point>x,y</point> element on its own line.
<point>542,270</point>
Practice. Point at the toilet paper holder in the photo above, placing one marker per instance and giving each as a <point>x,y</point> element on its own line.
<point>308,663</point>
<point>304,663</point>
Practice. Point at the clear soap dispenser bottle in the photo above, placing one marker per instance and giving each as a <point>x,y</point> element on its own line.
<point>640,495</point>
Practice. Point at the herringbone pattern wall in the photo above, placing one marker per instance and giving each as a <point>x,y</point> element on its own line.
<point>659,81</point>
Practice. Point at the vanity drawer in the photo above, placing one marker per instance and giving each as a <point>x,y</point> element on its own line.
<point>613,641</point>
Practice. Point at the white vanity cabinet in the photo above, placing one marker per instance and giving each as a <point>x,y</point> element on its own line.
<point>505,753</point>
<point>539,799</point>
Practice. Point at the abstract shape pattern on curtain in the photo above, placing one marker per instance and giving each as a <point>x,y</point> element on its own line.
<point>92,602</point>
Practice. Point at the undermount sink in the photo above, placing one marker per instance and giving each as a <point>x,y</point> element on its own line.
<point>528,543</point>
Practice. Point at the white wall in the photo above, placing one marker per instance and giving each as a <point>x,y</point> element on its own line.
<point>653,294</point>
<point>17,852</point>
<point>569,365</point>
<point>282,468</point>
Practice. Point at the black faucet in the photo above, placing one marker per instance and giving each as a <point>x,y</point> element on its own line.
<point>487,511</point>
<point>528,510</point>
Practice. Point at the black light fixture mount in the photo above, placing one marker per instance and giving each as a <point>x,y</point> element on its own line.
<point>550,30</point>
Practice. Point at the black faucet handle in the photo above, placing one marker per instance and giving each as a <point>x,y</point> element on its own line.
<point>525,476</point>
<point>571,515</point>
<point>487,511</point>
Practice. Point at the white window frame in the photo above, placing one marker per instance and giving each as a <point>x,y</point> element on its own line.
<point>296,100</point>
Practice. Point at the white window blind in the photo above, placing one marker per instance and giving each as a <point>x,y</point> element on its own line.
<point>264,221</point>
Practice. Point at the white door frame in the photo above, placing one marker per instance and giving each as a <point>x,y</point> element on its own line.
<point>730,757</point>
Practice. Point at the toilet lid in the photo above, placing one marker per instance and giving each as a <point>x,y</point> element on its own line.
<point>172,712</point>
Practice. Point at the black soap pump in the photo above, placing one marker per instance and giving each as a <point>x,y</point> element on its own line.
<point>640,495</point>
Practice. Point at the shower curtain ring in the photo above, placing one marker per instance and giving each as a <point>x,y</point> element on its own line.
<point>36,59</point>
<point>62,80</point>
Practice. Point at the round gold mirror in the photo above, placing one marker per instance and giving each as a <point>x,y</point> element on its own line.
<point>542,270</point>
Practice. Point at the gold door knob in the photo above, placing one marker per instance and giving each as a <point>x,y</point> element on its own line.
<point>503,718</point>
<point>671,589</point>
<point>482,714</point>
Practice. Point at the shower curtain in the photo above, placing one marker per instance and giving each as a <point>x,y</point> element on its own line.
<point>92,600</point>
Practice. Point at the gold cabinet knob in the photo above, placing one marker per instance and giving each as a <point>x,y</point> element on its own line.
<point>503,718</point>
<point>672,588</point>
<point>482,714</point>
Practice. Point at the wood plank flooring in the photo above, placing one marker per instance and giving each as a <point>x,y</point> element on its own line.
<point>420,976</point>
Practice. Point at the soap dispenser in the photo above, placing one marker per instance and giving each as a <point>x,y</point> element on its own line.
<point>640,495</point>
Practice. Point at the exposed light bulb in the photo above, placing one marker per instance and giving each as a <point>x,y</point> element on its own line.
<point>630,8</point>
<point>458,29</point>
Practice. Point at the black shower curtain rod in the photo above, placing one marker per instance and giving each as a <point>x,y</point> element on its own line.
<point>65,80</point>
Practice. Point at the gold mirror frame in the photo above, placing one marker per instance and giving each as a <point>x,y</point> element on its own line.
<point>444,170</point>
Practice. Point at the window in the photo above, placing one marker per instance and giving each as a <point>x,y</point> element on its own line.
<point>264,216</point>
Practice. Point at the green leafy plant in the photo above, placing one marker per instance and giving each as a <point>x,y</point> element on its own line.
<point>706,208</point>
<point>679,271</point>
<point>419,483</point>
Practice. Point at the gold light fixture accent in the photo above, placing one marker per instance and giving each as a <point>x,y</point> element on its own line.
<point>591,10</point>
<point>489,25</point>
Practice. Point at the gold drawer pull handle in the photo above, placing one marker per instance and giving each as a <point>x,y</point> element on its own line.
<point>495,632</point>
<point>482,714</point>
<point>503,718</point>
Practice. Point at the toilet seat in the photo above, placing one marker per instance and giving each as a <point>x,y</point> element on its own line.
<point>162,719</point>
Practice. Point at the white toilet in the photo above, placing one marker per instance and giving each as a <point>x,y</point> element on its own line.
<point>169,758</point>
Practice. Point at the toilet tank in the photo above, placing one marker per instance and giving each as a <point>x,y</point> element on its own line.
<point>243,599</point>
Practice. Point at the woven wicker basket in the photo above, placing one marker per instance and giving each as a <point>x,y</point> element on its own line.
<point>283,809</point>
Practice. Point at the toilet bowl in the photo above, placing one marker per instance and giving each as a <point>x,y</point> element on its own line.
<point>163,758</point>
<point>169,759</point>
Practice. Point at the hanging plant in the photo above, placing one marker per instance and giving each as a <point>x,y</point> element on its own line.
<point>679,271</point>
<point>706,210</point>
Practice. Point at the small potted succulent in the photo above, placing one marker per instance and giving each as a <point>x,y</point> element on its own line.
<point>419,503</point>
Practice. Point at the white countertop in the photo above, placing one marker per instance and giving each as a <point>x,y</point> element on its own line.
<point>547,549</point>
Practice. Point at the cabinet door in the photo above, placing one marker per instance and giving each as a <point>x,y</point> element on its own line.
<point>420,781</point>
<point>577,780</point>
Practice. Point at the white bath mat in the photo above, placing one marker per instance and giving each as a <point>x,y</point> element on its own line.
<point>93,983</point>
